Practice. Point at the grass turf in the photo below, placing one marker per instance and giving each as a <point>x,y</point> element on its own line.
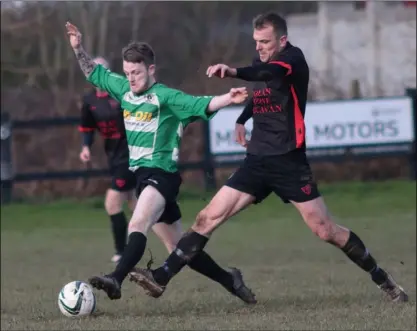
<point>300,282</point>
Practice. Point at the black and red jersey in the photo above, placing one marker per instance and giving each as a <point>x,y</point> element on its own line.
<point>278,103</point>
<point>102,113</point>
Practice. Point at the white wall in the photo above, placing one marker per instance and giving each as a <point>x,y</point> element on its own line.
<point>349,50</point>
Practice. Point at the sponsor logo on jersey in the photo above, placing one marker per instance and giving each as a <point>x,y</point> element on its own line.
<point>138,116</point>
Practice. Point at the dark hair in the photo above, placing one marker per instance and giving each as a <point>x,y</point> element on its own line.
<point>278,23</point>
<point>138,52</point>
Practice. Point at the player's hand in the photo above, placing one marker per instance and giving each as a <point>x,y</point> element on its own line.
<point>240,135</point>
<point>74,35</point>
<point>85,155</point>
<point>219,70</point>
<point>238,94</point>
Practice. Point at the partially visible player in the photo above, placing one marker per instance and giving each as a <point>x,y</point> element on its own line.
<point>155,117</point>
<point>100,112</point>
<point>276,161</point>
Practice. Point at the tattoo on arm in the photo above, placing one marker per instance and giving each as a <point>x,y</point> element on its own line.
<point>86,62</point>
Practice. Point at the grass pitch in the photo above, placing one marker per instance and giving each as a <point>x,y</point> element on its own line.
<point>300,282</point>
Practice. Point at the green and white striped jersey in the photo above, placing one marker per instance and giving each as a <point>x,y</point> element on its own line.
<point>154,120</point>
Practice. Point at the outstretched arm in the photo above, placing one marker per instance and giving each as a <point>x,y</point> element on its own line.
<point>235,96</point>
<point>96,74</point>
<point>85,61</point>
<point>259,72</point>
<point>189,108</point>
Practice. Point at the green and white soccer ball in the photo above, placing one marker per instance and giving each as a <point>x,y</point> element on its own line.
<point>77,299</point>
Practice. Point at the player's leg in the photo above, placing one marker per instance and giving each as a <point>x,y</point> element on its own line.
<point>170,235</point>
<point>113,204</point>
<point>293,182</point>
<point>122,188</point>
<point>319,220</point>
<point>231,279</point>
<point>240,191</point>
<point>196,238</point>
<point>243,188</point>
<point>192,242</point>
<point>148,210</point>
<point>171,232</point>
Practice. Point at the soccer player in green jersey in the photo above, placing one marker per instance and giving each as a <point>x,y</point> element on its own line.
<point>154,117</point>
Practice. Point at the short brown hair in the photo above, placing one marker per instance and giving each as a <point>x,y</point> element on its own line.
<point>138,52</point>
<point>278,23</point>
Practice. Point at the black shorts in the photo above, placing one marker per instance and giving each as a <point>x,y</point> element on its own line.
<point>122,179</point>
<point>289,176</point>
<point>168,184</point>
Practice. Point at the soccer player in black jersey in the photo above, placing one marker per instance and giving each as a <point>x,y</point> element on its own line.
<point>276,161</point>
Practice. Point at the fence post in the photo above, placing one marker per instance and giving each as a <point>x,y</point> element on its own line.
<point>412,92</point>
<point>6,165</point>
<point>209,173</point>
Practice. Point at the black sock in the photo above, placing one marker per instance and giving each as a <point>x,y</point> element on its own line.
<point>205,265</point>
<point>356,251</point>
<point>131,256</point>
<point>191,244</point>
<point>119,227</point>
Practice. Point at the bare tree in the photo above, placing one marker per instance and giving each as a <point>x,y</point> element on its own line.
<point>137,10</point>
<point>199,38</point>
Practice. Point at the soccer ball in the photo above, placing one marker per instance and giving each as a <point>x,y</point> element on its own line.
<point>76,299</point>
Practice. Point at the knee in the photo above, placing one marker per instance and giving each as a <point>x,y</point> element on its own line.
<point>139,224</point>
<point>322,227</point>
<point>324,232</point>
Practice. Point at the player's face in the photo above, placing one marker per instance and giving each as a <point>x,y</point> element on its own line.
<point>138,75</point>
<point>267,42</point>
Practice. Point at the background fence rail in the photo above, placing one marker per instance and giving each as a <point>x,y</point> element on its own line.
<point>208,164</point>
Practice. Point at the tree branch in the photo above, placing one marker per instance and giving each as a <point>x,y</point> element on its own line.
<point>104,19</point>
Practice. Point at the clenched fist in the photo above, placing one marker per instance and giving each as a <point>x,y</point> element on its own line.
<point>238,94</point>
